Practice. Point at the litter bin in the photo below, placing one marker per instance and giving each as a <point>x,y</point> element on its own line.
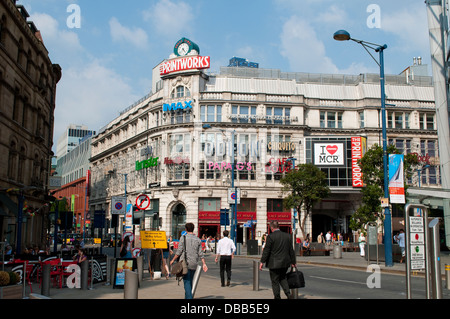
<point>337,251</point>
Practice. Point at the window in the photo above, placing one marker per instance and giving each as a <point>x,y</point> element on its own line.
<point>180,91</point>
<point>329,119</point>
<point>361,119</point>
<point>211,113</point>
<point>243,114</point>
<point>278,115</point>
<point>426,121</point>
<point>398,120</point>
<point>180,144</point>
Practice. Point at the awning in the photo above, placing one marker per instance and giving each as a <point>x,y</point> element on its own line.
<point>9,203</point>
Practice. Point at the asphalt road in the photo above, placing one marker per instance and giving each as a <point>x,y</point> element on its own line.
<point>330,282</point>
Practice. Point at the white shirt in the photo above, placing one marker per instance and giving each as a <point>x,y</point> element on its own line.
<point>226,247</point>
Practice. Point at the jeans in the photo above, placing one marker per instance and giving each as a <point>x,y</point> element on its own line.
<point>187,280</point>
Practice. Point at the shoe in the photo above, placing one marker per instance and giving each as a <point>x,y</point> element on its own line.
<point>228,283</point>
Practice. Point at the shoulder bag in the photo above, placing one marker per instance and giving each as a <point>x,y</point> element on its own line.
<point>180,268</point>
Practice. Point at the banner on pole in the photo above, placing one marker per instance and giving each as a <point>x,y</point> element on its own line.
<point>396,179</point>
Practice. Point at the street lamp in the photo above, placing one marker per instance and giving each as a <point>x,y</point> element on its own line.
<point>343,35</point>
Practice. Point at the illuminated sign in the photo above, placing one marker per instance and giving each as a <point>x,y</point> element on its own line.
<point>281,146</point>
<point>177,106</point>
<point>184,64</point>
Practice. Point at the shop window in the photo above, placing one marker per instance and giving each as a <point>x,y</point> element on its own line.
<point>209,204</point>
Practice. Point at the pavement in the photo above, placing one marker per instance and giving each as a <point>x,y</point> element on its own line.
<point>209,284</point>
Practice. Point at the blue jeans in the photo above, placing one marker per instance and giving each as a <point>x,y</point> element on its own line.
<point>187,280</point>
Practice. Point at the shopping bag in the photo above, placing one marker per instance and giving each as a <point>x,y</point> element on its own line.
<point>295,278</point>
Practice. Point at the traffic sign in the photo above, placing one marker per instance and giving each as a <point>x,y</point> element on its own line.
<point>118,204</point>
<point>142,201</point>
<point>153,240</point>
<point>232,194</point>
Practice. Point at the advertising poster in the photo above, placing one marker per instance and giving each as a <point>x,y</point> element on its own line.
<point>396,180</point>
<point>123,264</point>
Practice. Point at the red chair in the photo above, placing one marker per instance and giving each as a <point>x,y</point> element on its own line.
<point>55,271</point>
<point>28,271</point>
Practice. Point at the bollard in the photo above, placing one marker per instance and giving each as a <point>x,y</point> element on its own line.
<point>255,275</point>
<point>140,267</point>
<point>195,279</point>
<point>84,274</point>
<point>45,289</point>
<point>130,288</point>
<point>447,276</point>
<point>294,293</point>
<point>337,251</point>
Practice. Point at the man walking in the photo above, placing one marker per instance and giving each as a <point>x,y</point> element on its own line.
<point>225,250</point>
<point>278,255</point>
<point>193,247</point>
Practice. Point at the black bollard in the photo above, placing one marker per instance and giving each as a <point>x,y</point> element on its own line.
<point>45,288</point>
<point>84,275</point>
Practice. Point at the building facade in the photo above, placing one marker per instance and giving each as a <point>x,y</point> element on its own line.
<point>27,101</point>
<point>197,134</point>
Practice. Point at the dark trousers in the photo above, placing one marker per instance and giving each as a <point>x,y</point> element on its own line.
<point>225,264</point>
<point>278,278</point>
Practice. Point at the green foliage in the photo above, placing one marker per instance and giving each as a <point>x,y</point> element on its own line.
<point>372,169</point>
<point>306,185</point>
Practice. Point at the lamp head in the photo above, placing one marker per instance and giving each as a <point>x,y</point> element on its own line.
<point>341,35</point>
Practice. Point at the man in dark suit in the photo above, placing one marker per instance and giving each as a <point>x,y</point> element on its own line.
<point>278,255</point>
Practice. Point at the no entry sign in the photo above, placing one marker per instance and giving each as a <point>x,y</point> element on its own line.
<point>142,201</point>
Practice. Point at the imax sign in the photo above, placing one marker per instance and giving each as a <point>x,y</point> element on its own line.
<point>177,106</point>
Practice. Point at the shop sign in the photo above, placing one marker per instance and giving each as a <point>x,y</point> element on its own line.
<point>178,160</point>
<point>178,183</point>
<point>329,154</point>
<point>184,64</point>
<point>177,106</point>
<point>224,166</point>
<point>357,153</point>
<point>278,166</point>
<point>151,162</point>
<point>281,146</point>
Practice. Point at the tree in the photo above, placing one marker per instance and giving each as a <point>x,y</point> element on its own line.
<point>371,165</point>
<point>307,185</point>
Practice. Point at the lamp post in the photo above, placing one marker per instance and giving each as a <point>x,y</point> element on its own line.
<point>343,35</point>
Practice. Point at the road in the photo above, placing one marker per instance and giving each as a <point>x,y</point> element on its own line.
<point>329,282</point>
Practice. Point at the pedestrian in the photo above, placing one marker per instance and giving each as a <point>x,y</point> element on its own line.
<point>278,255</point>
<point>320,238</point>
<point>125,248</point>
<point>192,245</point>
<point>362,243</point>
<point>328,238</point>
<point>400,239</point>
<point>306,246</point>
<point>225,249</point>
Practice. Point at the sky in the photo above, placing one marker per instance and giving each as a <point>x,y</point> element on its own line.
<point>107,49</point>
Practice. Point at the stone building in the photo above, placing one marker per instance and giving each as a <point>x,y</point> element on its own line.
<point>27,101</point>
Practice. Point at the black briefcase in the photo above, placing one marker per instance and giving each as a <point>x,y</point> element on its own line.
<point>295,278</point>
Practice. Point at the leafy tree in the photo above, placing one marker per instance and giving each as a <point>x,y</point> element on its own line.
<point>307,185</point>
<point>373,178</point>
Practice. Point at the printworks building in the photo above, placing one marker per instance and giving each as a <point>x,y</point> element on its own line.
<point>174,147</point>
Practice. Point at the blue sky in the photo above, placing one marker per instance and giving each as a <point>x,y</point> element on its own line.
<point>107,61</point>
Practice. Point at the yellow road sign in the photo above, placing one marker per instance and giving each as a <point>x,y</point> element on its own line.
<point>153,240</point>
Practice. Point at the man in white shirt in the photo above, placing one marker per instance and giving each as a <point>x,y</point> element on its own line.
<point>225,249</point>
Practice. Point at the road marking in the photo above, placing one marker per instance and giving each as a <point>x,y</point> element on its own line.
<point>340,280</point>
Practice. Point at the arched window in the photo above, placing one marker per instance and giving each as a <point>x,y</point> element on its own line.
<point>180,91</point>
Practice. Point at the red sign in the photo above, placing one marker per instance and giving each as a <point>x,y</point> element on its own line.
<point>185,63</point>
<point>357,151</point>
<point>142,202</point>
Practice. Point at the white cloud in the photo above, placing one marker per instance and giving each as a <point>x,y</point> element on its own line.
<point>333,15</point>
<point>135,36</point>
<point>52,35</point>
<point>410,26</point>
<point>170,18</point>
<point>93,96</point>
<point>304,51</point>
